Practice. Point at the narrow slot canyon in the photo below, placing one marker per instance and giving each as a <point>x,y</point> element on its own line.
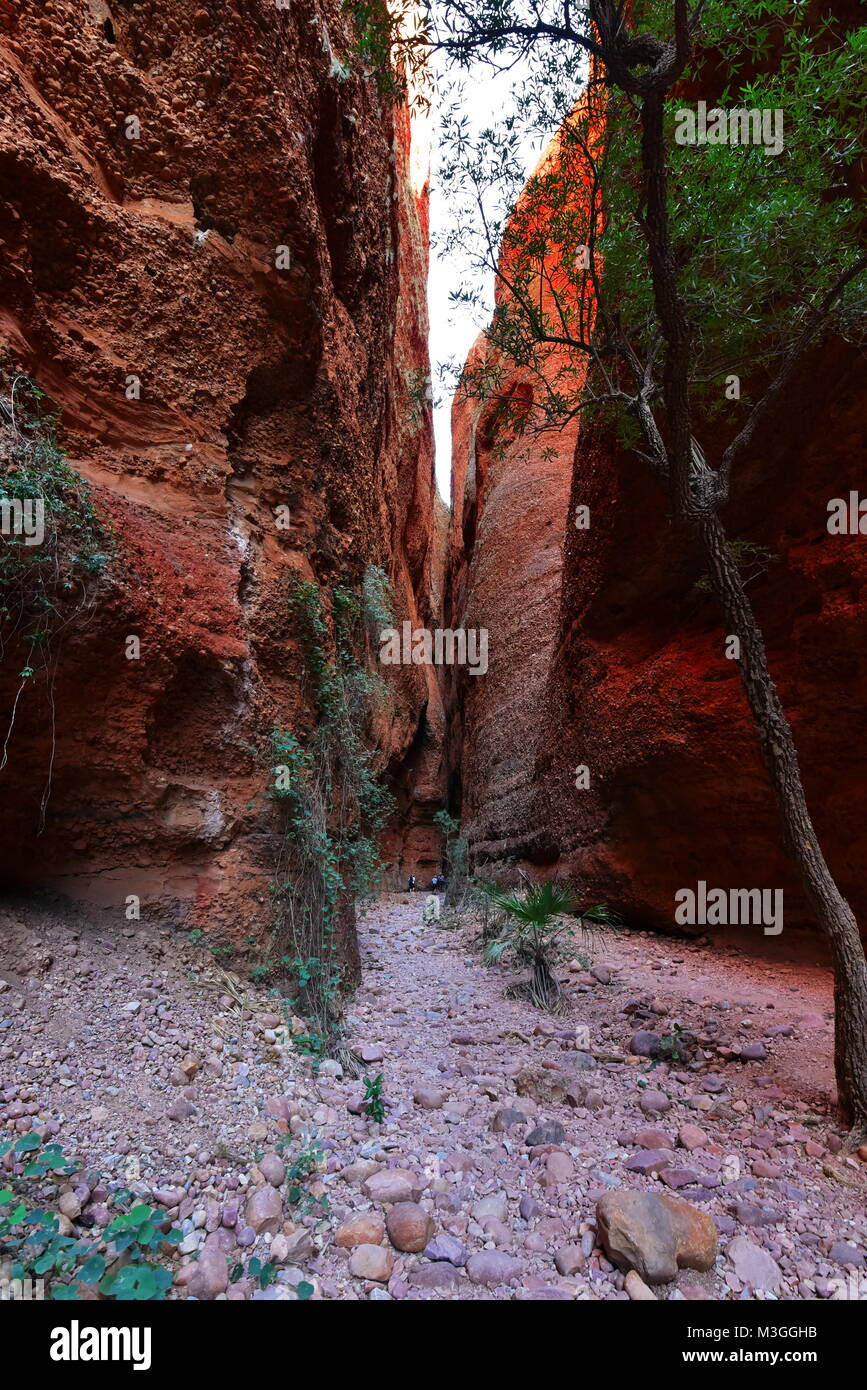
<point>407,897</point>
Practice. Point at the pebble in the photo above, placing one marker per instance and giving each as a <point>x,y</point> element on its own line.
<point>752,1265</point>
<point>492,1267</point>
<point>446,1247</point>
<point>264,1210</point>
<point>485,1179</point>
<point>429,1099</point>
<point>374,1262</point>
<point>569,1259</point>
<point>363,1228</point>
<point>409,1226</point>
<point>654,1102</point>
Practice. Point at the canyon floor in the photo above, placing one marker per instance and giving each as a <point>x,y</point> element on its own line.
<point>162,1071</point>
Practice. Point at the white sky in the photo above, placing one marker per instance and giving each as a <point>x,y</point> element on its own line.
<point>454,328</point>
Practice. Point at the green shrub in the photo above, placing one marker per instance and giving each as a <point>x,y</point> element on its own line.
<point>456,856</point>
<point>30,1237</point>
<point>532,929</point>
<point>41,585</point>
<point>331,802</point>
<point>377,601</point>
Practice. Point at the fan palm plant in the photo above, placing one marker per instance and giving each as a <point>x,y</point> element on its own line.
<point>534,924</point>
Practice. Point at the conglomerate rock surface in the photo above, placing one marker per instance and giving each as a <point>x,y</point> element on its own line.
<point>214,257</point>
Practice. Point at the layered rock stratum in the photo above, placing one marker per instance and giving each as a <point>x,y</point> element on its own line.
<point>214,258</point>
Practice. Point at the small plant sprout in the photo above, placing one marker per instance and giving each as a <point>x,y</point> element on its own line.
<point>373,1098</point>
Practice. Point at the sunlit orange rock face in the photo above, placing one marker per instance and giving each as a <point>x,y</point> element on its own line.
<point>510,492</point>
<point>509,500</point>
<point>606,655</point>
<point>296,384</point>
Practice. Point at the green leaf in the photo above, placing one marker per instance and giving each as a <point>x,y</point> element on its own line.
<point>146,1284</point>
<point>122,1284</point>
<point>27,1143</point>
<point>92,1270</point>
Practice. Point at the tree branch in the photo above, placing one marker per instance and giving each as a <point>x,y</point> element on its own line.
<point>815,319</point>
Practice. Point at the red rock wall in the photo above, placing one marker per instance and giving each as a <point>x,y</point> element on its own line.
<point>260,387</point>
<point>641,692</point>
<point>509,499</point>
<point>510,490</point>
<point>613,659</point>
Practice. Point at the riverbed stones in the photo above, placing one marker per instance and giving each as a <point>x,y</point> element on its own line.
<point>202,1173</point>
<point>374,1262</point>
<point>752,1265</point>
<point>691,1137</point>
<point>392,1185</point>
<point>650,1139</point>
<point>495,1205</point>
<point>637,1289</point>
<point>649,1160</point>
<point>492,1267</point>
<point>507,1118</point>
<point>654,1102</point>
<point>551,1132</point>
<point>655,1235</point>
<point>273,1169</point>
<point>429,1098</point>
<point>569,1259</point>
<point>696,1234</point>
<point>409,1226</point>
<point>210,1276</point>
<point>264,1210</point>
<point>446,1248</point>
<point>362,1228</point>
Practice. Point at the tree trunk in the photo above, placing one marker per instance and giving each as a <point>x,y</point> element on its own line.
<point>545,985</point>
<point>778,748</point>
<point>691,491</point>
